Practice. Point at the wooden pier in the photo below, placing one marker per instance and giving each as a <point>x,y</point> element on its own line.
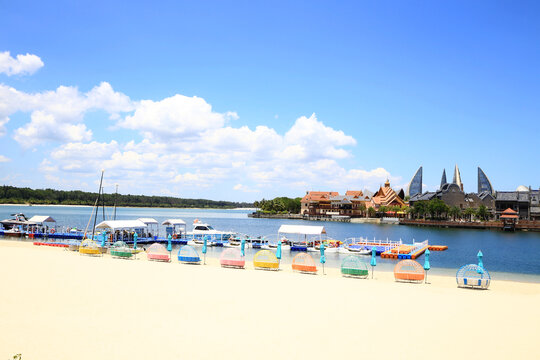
<point>524,225</point>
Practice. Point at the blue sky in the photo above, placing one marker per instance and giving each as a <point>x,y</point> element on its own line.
<point>244,100</point>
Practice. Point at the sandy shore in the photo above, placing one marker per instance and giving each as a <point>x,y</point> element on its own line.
<point>56,304</point>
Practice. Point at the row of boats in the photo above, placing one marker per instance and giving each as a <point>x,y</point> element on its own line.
<point>299,238</point>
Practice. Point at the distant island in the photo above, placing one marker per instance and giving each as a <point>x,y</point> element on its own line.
<point>16,195</point>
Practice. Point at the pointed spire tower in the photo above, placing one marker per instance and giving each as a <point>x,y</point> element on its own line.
<point>415,186</point>
<point>457,178</point>
<point>443,178</point>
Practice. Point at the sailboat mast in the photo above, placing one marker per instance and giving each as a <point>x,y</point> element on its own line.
<point>97,202</point>
<point>115,195</point>
<point>103,203</point>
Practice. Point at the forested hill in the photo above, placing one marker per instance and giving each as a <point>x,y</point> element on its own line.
<point>15,195</point>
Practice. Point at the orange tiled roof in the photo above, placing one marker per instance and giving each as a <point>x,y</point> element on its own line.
<point>319,196</point>
<point>355,193</point>
<point>509,211</point>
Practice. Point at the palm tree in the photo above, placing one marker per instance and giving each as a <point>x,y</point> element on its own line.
<point>362,209</point>
<point>482,212</point>
<point>469,212</point>
<point>454,211</point>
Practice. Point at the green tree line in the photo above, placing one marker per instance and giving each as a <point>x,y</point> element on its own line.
<point>16,195</point>
<point>437,209</point>
<point>279,205</point>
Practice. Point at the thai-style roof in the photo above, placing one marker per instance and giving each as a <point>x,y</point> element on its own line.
<point>354,193</point>
<point>386,196</point>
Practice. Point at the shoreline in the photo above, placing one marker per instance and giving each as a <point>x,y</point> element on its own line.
<point>125,207</point>
<point>46,309</point>
<point>526,278</point>
<point>523,225</point>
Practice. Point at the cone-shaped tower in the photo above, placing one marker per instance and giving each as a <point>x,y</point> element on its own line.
<point>457,178</point>
<point>443,178</point>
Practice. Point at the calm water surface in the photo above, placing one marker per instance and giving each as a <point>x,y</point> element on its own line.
<point>506,255</point>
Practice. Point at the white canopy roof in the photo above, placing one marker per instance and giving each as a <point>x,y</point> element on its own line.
<point>148,221</point>
<point>302,229</point>
<point>39,219</point>
<point>173,222</point>
<point>121,224</point>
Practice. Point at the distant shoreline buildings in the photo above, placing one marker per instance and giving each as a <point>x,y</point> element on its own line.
<point>524,200</point>
<point>355,203</point>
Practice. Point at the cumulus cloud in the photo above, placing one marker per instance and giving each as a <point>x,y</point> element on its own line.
<point>185,144</point>
<point>4,159</point>
<point>254,159</point>
<point>59,115</point>
<point>21,64</point>
<point>178,116</point>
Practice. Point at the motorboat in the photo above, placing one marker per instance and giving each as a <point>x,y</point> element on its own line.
<point>202,230</point>
<point>14,227</point>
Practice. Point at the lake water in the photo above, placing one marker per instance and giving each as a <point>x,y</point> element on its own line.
<point>510,255</point>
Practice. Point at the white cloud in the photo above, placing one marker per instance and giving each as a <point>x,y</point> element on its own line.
<point>185,145</point>
<point>22,64</point>
<point>4,159</point>
<point>59,115</point>
<point>45,127</point>
<point>177,117</point>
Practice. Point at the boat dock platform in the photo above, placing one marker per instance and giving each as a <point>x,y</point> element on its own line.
<point>380,246</point>
<point>406,251</point>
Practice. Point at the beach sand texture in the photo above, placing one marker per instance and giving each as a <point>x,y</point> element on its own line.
<point>56,304</point>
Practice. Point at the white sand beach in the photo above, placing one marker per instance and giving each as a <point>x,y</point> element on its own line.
<point>56,304</point>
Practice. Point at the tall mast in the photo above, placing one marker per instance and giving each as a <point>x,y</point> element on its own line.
<point>115,194</point>
<point>103,202</point>
<point>97,202</point>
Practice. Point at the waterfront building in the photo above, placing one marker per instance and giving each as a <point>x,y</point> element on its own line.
<point>483,182</point>
<point>525,201</point>
<point>415,185</point>
<point>316,202</point>
<point>353,204</point>
<point>452,195</point>
<point>386,196</point>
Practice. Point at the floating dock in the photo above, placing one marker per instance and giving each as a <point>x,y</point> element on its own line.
<point>406,251</point>
<point>380,246</point>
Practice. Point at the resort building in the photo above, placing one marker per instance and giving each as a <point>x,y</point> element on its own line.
<point>415,186</point>
<point>316,202</point>
<point>452,195</point>
<point>386,196</point>
<point>330,203</point>
<point>525,201</point>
